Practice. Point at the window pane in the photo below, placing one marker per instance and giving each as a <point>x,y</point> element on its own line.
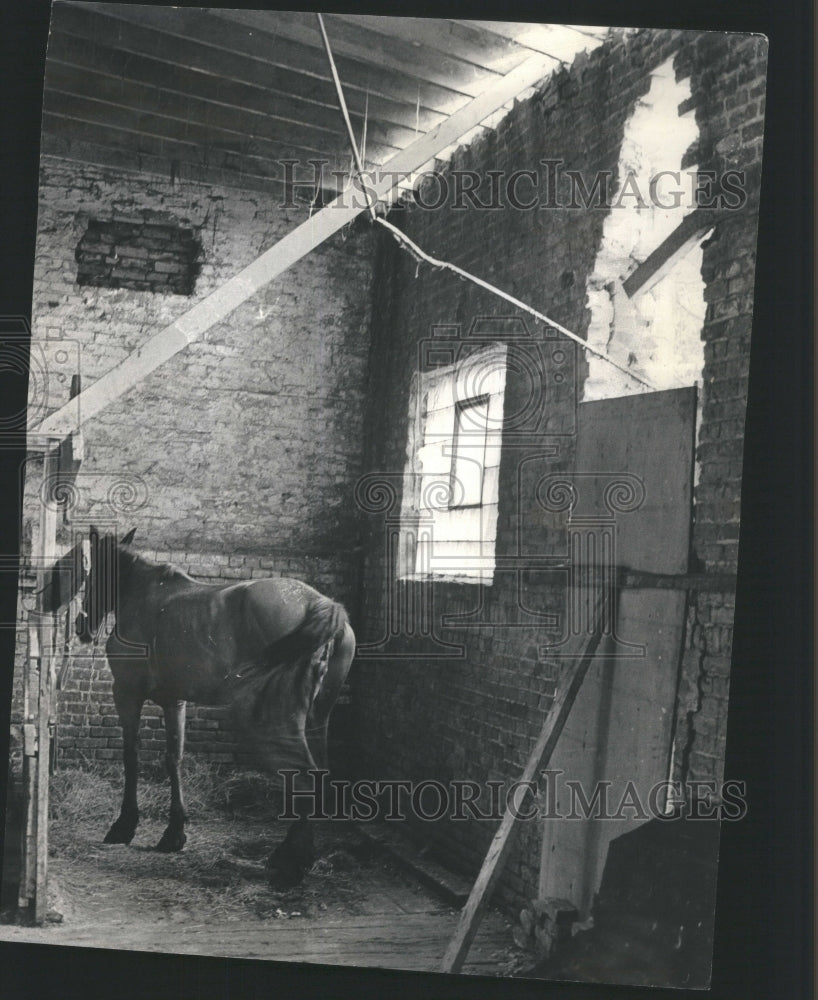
<point>469,452</point>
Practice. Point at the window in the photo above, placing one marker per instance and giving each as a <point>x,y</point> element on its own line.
<point>449,512</point>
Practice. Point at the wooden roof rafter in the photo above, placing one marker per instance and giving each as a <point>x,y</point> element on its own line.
<point>210,89</point>
<point>295,245</point>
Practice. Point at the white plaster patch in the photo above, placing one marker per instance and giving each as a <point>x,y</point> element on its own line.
<point>657,334</point>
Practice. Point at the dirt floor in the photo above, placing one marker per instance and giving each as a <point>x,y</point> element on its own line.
<point>355,907</point>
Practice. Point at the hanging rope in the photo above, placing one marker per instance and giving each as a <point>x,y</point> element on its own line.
<point>342,102</point>
<point>421,255</point>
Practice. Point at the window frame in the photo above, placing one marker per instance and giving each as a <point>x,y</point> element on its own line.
<point>460,407</point>
<point>416,520</point>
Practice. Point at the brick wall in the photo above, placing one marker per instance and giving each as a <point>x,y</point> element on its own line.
<point>477,716</point>
<point>728,84</point>
<point>236,458</point>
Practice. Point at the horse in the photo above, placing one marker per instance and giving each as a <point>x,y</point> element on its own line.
<point>275,651</point>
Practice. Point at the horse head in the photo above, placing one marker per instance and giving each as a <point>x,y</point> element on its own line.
<point>100,583</point>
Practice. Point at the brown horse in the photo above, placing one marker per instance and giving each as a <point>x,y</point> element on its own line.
<point>275,651</point>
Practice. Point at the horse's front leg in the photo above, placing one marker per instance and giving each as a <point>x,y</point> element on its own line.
<point>173,839</point>
<point>129,700</point>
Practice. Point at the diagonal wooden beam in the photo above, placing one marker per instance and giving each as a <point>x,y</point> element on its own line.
<point>690,231</point>
<point>297,244</point>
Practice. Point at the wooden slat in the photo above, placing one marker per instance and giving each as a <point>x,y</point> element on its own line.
<point>454,38</point>
<point>720,583</point>
<point>281,139</point>
<point>28,841</point>
<point>75,62</point>
<point>276,46</point>
<point>74,141</point>
<point>47,554</point>
<point>297,71</point>
<point>220,303</point>
<point>355,42</point>
<point>561,41</point>
<point>690,231</point>
<point>492,867</point>
<point>137,147</point>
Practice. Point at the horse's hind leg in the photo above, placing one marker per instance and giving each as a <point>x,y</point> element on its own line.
<point>173,839</point>
<point>295,855</point>
<point>338,666</point>
<point>285,748</point>
<point>129,699</point>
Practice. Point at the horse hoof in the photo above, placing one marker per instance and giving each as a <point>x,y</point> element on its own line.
<point>172,840</point>
<point>119,834</point>
<point>285,878</point>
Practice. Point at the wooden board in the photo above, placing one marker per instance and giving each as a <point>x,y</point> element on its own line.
<point>622,723</point>
<point>38,696</point>
<point>540,757</point>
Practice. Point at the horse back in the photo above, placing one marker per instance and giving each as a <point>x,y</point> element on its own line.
<point>204,636</point>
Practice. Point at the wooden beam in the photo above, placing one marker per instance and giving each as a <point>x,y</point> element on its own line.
<point>137,147</point>
<point>472,912</point>
<point>295,245</point>
<point>226,171</point>
<point>105,66</point>
<point>690,231</point>
<point>75,29</point>
<point>278,47</point>
<point>561,41</point>
<point>455,38</point>
<point>721,583</point>
<point>150,111</point>
<point>36,867</point>
<point>282,139</point>
<point>353,41</point>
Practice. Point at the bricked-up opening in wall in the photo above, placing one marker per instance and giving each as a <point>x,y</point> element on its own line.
<point>657,334</point>
<point>451,481</point>
<point>141,256</point>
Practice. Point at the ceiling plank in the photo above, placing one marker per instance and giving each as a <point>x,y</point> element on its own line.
<point>351,39</point>
<point>455,38</point>
<point>181,25</point>
<point>65,86</point>
<point>561,41</point>
<point>198,57</point>
<point>75,143</point>
<point>290,142</point>
<point>299,242</point>
<point>84,56</point>
<point>134,148</point>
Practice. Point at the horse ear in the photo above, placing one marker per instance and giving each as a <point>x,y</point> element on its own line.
<point>129,537</point>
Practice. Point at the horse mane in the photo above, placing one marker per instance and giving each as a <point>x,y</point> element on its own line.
<point>164,570</point>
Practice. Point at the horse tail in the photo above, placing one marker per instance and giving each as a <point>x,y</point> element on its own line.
<point>322,622</point>
<point>289,674</point>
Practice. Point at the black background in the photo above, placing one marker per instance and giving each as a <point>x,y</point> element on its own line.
<point>764,915</point>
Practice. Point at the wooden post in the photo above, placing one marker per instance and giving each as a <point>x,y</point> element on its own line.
<point>39,678</point>
<point>28,834</point>
<point>472,912</point>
